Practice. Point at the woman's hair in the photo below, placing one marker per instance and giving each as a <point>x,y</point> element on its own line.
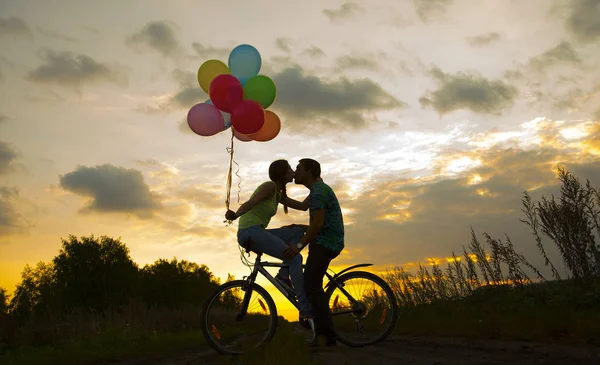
<point>277,172</point>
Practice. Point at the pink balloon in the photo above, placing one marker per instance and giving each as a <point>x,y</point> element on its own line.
<point>241,137</point>
<point>205,119</point>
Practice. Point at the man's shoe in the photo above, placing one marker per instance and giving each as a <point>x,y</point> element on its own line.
<point>320,341</point>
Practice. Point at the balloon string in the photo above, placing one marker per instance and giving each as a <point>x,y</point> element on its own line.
<point>229,177</point>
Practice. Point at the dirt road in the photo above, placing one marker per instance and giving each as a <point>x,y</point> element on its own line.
<point>421,351</point>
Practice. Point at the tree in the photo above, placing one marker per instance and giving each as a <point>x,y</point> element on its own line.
<point>3,301</point>
<point>94,274</point>
<point>175,283</point>
<point>36,292</point>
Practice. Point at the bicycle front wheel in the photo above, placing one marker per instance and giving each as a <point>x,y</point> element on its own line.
<point>231,330</point>
<point>364,309</point>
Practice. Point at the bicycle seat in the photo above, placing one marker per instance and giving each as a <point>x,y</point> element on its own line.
<point>248,248</point>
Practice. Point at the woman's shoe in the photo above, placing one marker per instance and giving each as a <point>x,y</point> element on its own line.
<point>285,281</point>
<point>307,313</point>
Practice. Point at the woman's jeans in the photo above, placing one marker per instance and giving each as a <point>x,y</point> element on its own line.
<point>274,242</point>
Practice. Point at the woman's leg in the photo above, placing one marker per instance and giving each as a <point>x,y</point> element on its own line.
<point>266,242</point>
<point>289,235</point>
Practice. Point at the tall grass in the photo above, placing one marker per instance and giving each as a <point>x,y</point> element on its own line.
<point>570,221</point>
<point>500,264</point>
<point>491,282</point>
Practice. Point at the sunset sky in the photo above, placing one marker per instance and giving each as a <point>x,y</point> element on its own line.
<point>428,117</point>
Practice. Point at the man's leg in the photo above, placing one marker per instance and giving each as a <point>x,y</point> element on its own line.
<point>317,263</point>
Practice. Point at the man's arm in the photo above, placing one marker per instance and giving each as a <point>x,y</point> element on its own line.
<point>315,226</point>
<point>313,229</point>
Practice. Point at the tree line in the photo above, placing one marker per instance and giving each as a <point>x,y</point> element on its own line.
<point>97,274</point>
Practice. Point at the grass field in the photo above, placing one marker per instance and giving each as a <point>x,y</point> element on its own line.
<point>557,312</point>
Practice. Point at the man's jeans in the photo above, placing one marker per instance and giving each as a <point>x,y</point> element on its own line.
<point>317,263</point>
<point>274,242</point>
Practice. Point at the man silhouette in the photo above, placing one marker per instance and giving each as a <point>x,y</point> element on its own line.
<point>325,234</point>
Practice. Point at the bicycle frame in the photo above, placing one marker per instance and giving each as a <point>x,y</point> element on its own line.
<point>259,267</point>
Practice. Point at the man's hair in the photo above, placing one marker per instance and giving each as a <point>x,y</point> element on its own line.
<point>311,165</point>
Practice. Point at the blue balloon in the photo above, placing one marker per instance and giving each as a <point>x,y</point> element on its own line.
<point>244,62</point>
<point>226,116</point>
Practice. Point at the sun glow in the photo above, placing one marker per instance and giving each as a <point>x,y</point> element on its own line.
<point>475,179</point>
<point>574,132</point>
<point>461,164</point>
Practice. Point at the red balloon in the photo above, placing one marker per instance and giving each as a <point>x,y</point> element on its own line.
<point>226,92</point>
<point>248,117</point>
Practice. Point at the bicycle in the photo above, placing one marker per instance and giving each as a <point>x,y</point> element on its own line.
<point>236,309</point>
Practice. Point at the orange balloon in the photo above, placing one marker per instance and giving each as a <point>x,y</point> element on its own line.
<point>270,128</point>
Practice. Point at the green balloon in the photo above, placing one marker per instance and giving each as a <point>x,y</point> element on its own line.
<point>261,89</point>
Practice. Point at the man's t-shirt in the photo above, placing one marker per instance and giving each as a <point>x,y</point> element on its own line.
<point>331,234</point>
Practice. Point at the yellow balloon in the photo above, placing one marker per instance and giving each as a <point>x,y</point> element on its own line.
<point>208,71</point>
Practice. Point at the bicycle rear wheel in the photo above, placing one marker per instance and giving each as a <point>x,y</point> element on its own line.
<point>364,311</point>
<point>230,331</point>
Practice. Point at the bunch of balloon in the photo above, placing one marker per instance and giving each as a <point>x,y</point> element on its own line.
<point>239,98</point>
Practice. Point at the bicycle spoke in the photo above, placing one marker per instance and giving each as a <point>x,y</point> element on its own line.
<point>364,309</point>
<point>229,331</point>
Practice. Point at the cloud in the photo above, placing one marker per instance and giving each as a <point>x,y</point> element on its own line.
<point>205,199</point>
<point>484,40</point>
<point>597,115</point>
<point>14,27</point>
<point>10,219</point>
<point>7,62</point>
<point>315,52</point>
<point>428,9</point>
<point>3,118</point>
<point>478,183</point>
<point>345,11</point>
<point>183,127</point>
<point>307,100</point>
<point>560,78</point>
<point>7,157</point>
<point>44,96</point>
<point>357,62</point>
<point>187,95</point>
<point>209,51</point>
<point>158,36</point>
<point>583,20</point>
<point>192,207</point>
<point>69,69</point>
<point>283,44</point>
<point>57,35</point>
<point>112,189</point>
<point>468,90</point>
<point>562,53</point>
